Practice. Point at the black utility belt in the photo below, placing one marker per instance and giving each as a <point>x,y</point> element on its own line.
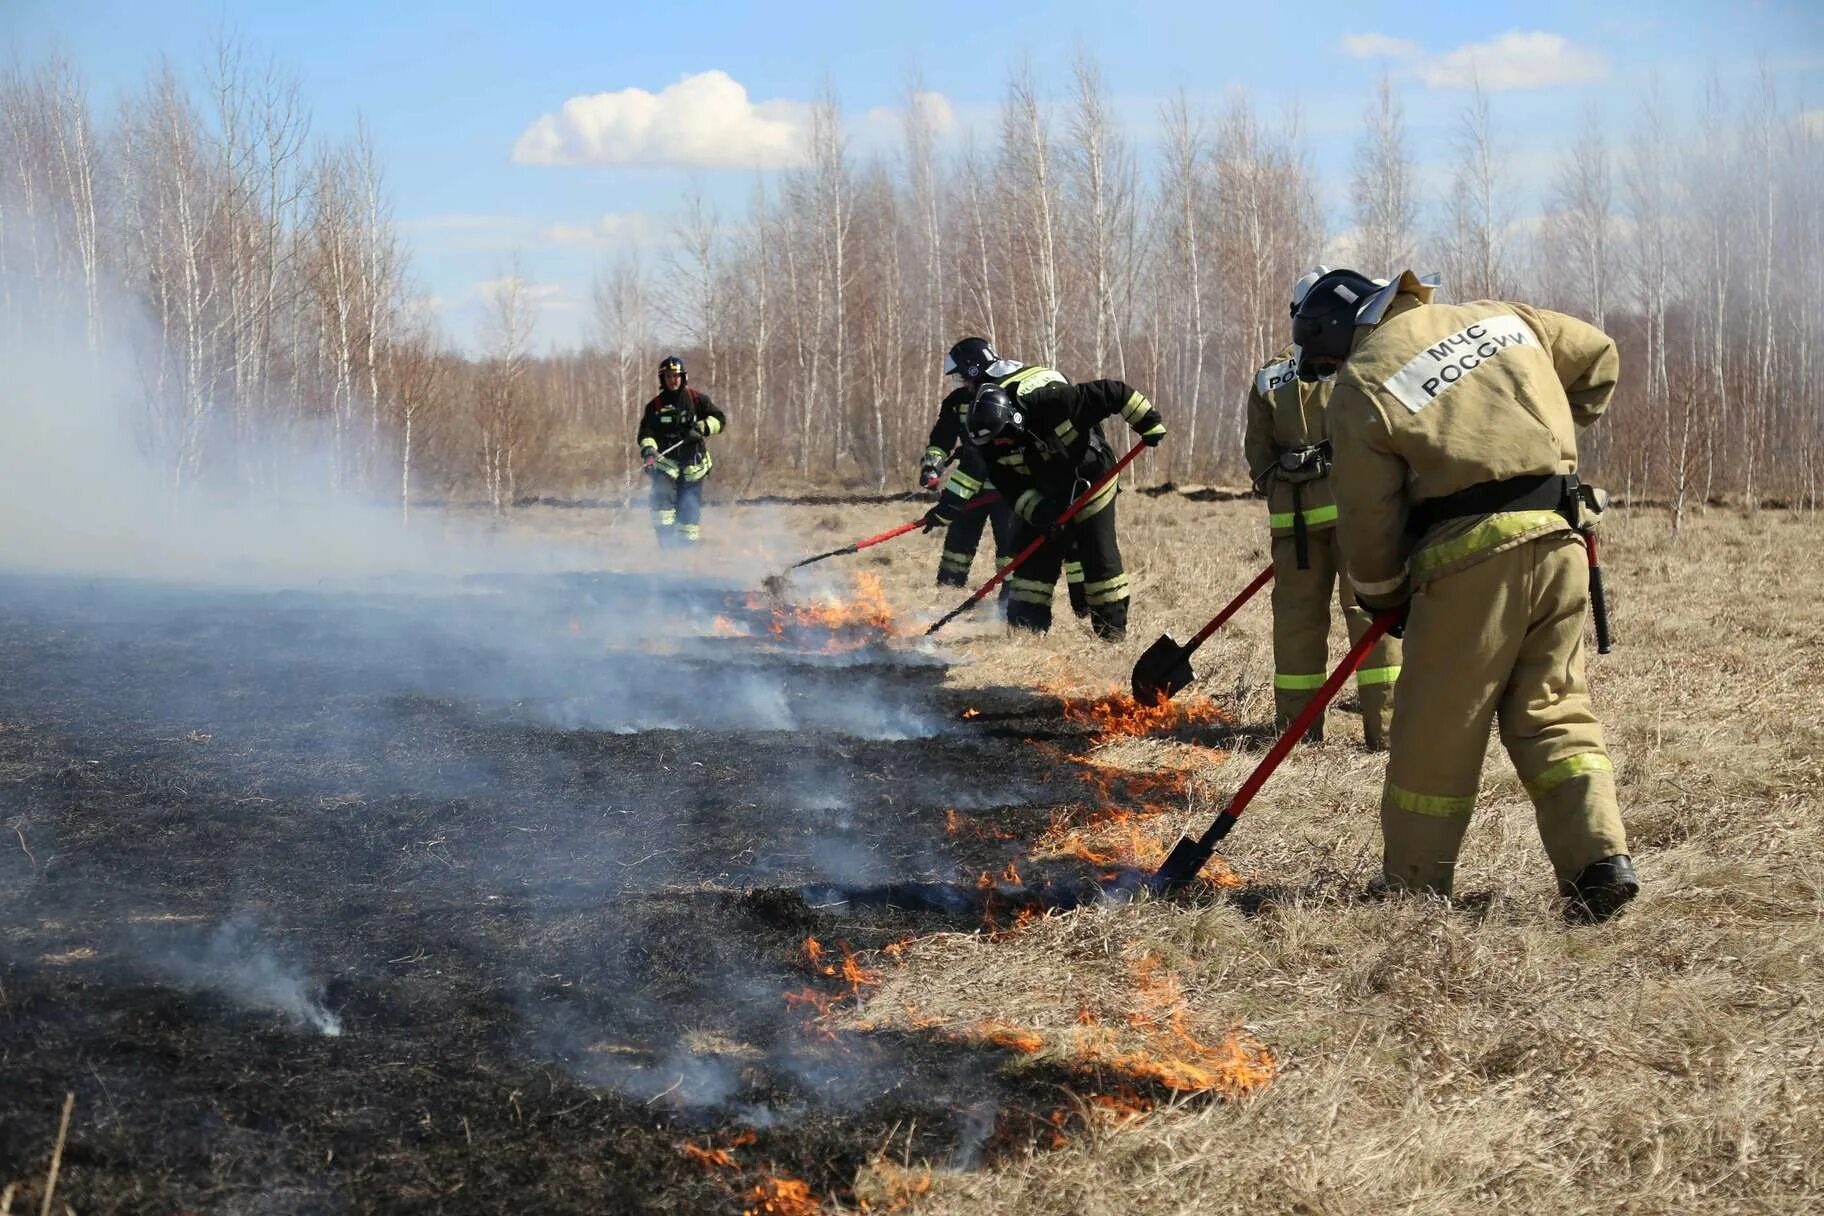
<point>1558,492</point>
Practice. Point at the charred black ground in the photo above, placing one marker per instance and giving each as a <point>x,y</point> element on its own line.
<point>481,896</point>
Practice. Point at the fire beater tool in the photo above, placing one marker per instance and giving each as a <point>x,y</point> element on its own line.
<point>1001,575</point>
<point>980,500</point>
<point>1188,856</point>
<point>627,481</point>
<point>1165,668</point>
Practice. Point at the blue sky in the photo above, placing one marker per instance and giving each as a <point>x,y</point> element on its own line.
<point>452,89</point>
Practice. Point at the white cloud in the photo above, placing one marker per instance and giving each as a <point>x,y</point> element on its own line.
<point>1377,46</point>
<point>1518,59</point>
<point>538,295</point>
<point>614,228</point>
<point>703,120</point>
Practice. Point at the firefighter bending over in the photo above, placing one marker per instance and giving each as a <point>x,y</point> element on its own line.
<point>1045,449</point>
<point>971,363</point>
<point>1456,481</point>
<point>1288,451</point>
<point>673,454</point>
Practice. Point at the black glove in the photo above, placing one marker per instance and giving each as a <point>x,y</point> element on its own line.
<point>932,522</point>
<point>1045,519</point>
<point>1154,437</point>
<point>649,460</point>
<point>930,476</point>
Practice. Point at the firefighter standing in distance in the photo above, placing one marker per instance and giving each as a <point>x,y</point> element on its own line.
<point>672,451</point>
<point>1456,460</point>
<point>965,533</point>
<point>1288,451</point>
<point>1045,449</point>
<point>971,363</point>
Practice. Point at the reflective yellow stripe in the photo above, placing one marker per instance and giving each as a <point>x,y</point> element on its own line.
<point>648,446</point>
<point>1103,497</point>
<point>1137,404</point>
<point>961,484</point>
<point>1067,430</point>
<point>712,425</point>
<point>1316,515</point>
<point>1027,503</point>
<point>1013,460</point>
<point>1001,563</point>
<point>1565,769</point>
<point>935,455</point>
<point>1073,571</point>
<point>1108,591</point>
<point>699,470</point>
<point>1029,591</point>
<point>668,516</point>
<point>1442,805</point>
<point>1494,531</point>
<point>1029,378</point>
<point>953,558</point>
<point>1158,428</point>
<point>1376,675</point>
<point>691,531</point>
<point>1297,682</point>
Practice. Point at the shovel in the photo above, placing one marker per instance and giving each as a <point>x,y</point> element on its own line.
<point>1188,856</point>
<point>1000,575</point>
<point>1166,666</point>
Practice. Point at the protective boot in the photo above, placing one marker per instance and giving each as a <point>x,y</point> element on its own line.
<point>1600,889</point>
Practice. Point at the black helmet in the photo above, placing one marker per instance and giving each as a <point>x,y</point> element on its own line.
<point>970,359</point>
<point>1323,327</point>
<point>994,418</point>
<point>671,363</point>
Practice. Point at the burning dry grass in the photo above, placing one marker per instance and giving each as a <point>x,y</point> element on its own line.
<point>1434,1059</point>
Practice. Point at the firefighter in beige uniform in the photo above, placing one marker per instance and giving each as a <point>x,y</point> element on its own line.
<point>1288,450</point>
<point>1454,429</point>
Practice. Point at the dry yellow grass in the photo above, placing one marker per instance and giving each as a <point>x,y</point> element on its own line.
<point>1435,1058</point>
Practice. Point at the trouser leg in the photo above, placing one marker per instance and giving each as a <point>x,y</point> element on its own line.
<point>1548,724</point>
<point>1002,518</point>
<point>1105,581</point>
<point>1073,581</point>
<point>663,499</point>
<point>960,543</point>
<point>1461,646</point>
<point>690,511</point>
<point>1030,587</point>
<point>1380,669</point>
<point>1301,625</point>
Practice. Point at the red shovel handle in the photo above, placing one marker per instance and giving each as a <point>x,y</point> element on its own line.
<point>1230,609</point>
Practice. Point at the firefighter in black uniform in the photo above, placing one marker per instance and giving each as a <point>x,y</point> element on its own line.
<point>972,363</point>
<point>965,534</point>
<point>672,451</point>
<point>1045,449</point>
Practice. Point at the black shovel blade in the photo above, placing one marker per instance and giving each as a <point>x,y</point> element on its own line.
<point>1180,866</point>
<point>1163,669</point>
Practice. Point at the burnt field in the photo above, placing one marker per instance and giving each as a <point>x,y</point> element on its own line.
<point>539,892</point>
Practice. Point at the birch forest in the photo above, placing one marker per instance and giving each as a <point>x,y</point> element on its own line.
<point>251,272</point>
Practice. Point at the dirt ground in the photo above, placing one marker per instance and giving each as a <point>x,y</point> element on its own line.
<point>625,891</point>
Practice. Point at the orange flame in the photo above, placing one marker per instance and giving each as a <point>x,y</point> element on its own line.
<point>971,712</point>
<point>782,1197</point>
<point>854,622</point>
<point>1116,715</point>
<point>708,1158</point>
<point>722,627</point>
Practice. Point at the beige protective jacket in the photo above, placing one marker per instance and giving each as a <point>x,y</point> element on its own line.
<point>1284,412</point>
<point>1438,398</point>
